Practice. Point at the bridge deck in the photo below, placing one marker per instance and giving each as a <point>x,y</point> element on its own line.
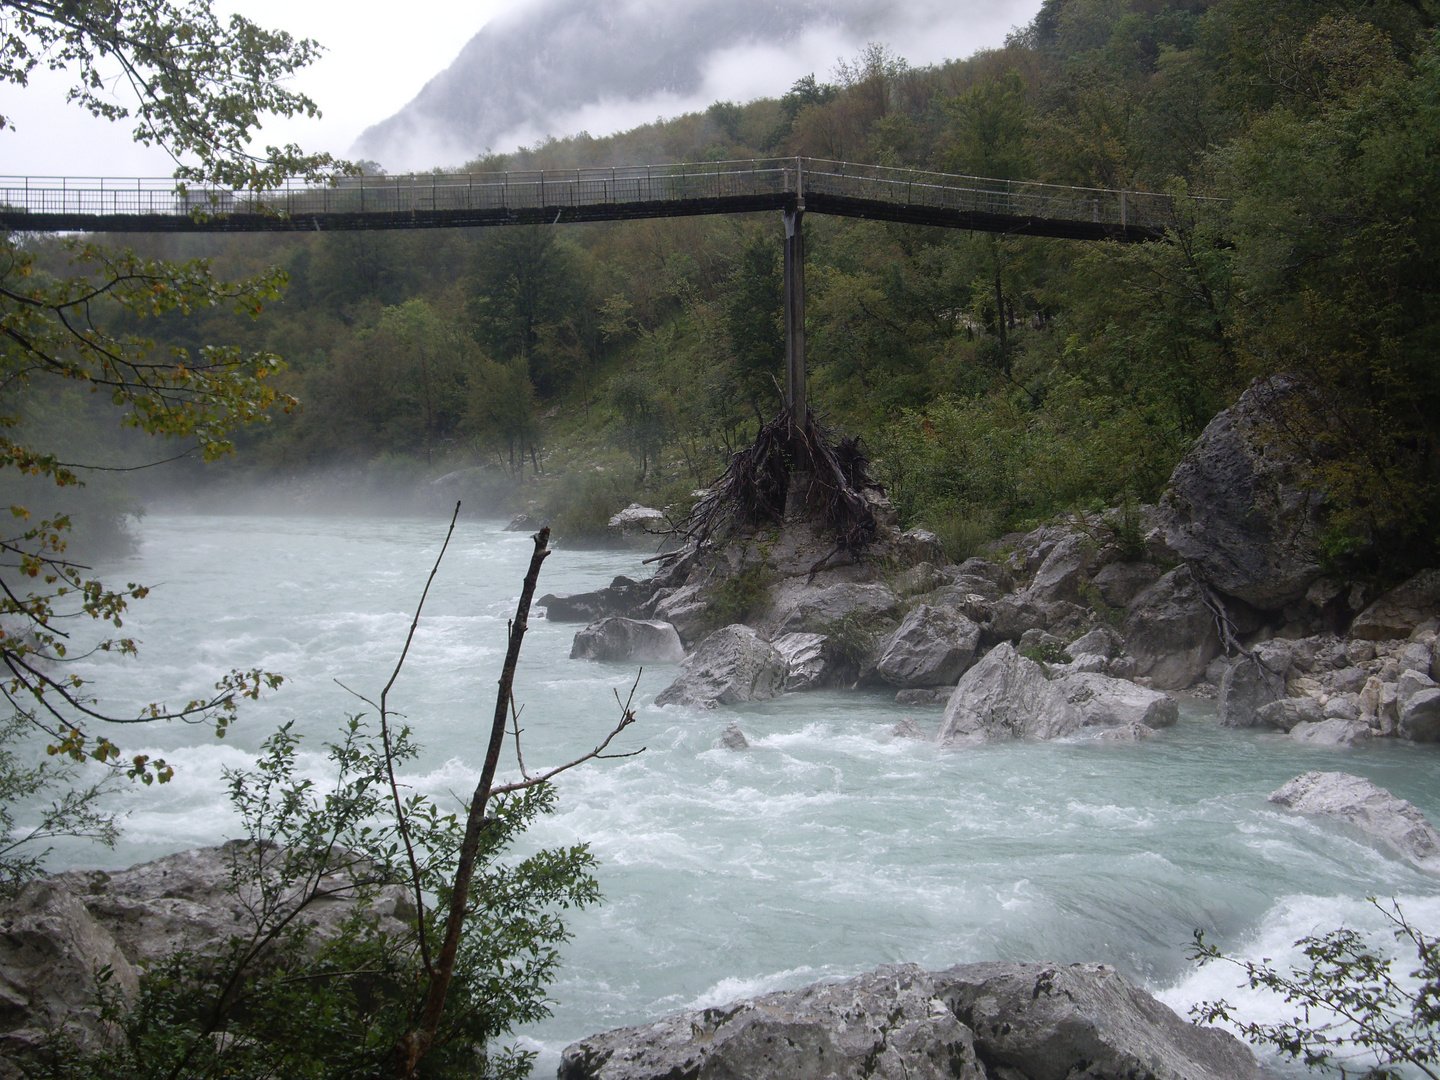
<point>449,200</point>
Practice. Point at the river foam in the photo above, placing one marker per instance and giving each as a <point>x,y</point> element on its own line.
<point>825,849</point>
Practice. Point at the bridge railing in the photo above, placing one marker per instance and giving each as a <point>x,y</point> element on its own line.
<point>703,182</point>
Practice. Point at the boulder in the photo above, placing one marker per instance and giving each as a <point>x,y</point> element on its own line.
<point>686,609</point>
<point>620,640</point>
<point>909,729</point>
<point>1012,616</point>
<point>1106,702</point>
<point>920,546</point>
<point>885,1025</point>
<point>1420,716</point>
<point>523,523</point>
<point>1073,1021</point>
<point>1102,640</point>
<point>1170,631</point>
<point>990,571</point>
<point>636,524</point>
<point>1121,582</point>
<point>732,665</point>
<point>1398,612</point>
<point>732,738</point>
<point>1237,509</point>
<point>51,950</point>
<point>1005,696</point>
<point>1395,823</point>
<point>1030,1021</point>
<point>623,597</point>
<point>1343,707</point>
<point>1064,570</point>
<point>1033,548</point>
<point>931,647</point>
<point>804,656</point>
<point>1335,732</point>
<point>800,607</point>
<point>1127,733</point>
<point>1246,687</point>
<point>1286,713</point>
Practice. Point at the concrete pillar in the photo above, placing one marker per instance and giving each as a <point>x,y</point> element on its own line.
<point>795,315</point>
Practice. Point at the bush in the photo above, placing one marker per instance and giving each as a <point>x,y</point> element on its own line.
<point>739,596</point>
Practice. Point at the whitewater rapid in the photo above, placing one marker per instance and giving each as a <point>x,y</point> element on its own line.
<point>827,848</point>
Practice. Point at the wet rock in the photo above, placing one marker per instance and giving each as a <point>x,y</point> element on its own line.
<point>636,524</point>
<point>1106,702</point>
<point>804,655</point>
<point>1398,612</point>
<point>1237,509</point>
<point>1170,631</point>
<point>885,1025</point>
<point>1395,823</point>
<point>1420,716</point>
<point>909,729</point>
<point>623,597</point>
<point>524,523</point>
<point>620,640</point>
<point>1064,1022</point>
<point>1288,712</point>
<point>732,665</point>
<point>732,738</point>
<point>1029,1021</point>
<point>1246,687</point>
<point>1335,732</point>
<point>801,607</point>
<point>921,697</point>
<point>1119,583</point>
<point>51,949</point>
<point>931,647</point>
<point>1127,733</point>
<point>1005,696</point>
<point>686,609</point>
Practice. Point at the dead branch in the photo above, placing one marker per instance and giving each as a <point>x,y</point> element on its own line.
<point>627,717</point>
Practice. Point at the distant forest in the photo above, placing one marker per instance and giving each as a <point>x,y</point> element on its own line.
<point>995,381</point>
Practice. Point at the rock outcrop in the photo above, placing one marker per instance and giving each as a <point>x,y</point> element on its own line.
<point>1238,511</point>
<point>1006,696</point>
<point>623,597</point>
<point>805,663</point>
<point>732,665</point>
<point>617,639</point>
<point>1395,823</point>
<point>1002,1021</point>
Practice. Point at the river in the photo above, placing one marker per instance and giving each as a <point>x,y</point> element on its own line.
<point>827,848</point>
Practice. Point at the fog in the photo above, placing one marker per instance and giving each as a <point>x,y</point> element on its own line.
<point>559,67</point>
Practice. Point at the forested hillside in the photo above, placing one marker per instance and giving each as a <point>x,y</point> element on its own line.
<point>994,380</point>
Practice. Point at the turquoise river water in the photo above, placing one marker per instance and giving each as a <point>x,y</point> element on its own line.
<point>826,849</point>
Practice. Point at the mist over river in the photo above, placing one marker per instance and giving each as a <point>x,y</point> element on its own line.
<point>826,849</point>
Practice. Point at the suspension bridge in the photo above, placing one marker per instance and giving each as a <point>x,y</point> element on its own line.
<point>443,200</point>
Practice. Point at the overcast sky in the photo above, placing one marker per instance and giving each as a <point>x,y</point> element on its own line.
<point>375,63</point>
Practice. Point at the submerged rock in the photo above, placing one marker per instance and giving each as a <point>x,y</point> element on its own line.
<point>931,647</point>
<point>998,1021</point>
<point>922,697</point>
<point>732,738</point>
<point>618,639</point>
<point>1395,823</point>
<point>732,665</point>
<point>909,729</point>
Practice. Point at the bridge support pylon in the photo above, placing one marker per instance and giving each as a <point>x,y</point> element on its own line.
<point>795,314</point>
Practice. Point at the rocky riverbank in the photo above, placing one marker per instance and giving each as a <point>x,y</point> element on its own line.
<point>1090,623</point>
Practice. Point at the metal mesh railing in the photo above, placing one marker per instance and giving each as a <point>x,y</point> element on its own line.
<point>632,186</point>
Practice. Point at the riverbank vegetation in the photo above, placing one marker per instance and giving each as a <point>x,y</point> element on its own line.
<point>997,380</point>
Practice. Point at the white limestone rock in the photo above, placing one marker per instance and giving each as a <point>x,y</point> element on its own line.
<point>931,647</point>
<point>732,665</point>
<point>1396,824</point>
<point>620,640</point>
